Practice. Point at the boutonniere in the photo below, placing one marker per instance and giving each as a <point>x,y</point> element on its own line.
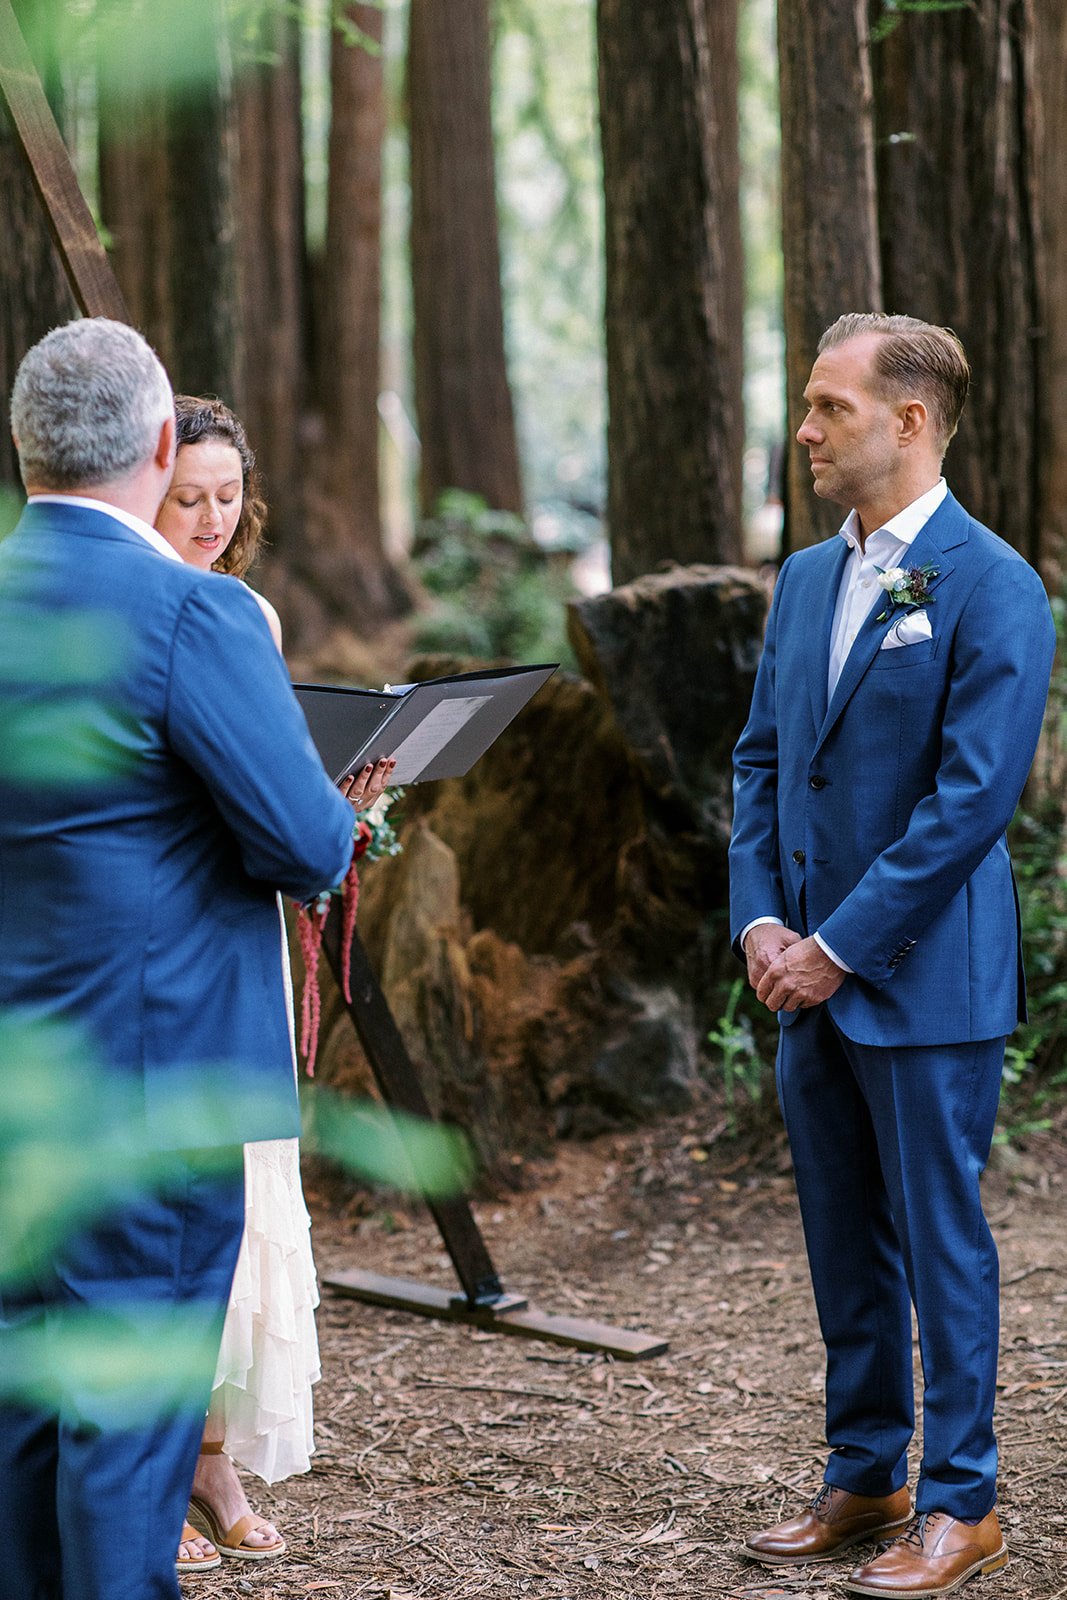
<point>907,586</point>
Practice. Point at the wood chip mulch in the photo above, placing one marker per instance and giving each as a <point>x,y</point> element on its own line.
<point>456,1463</point>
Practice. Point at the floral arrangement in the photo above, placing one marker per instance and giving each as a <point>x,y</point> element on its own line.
<point>906,586</point>
<point>383,840</point>
<point>374,838</point>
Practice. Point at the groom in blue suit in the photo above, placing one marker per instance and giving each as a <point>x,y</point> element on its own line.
<point>894,720</point>
<point>138,875</point>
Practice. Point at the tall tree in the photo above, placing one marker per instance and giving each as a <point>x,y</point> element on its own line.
<point>345,550</point>
<point>167,136</point>
<point>271,262</point>
<point>134,200</point>
<point>829,225</point>
<point>956,170</point>
<point>674,285</point>
<point>33,289</point>
<point>1050,58</point>
<point>462,399</point>
<point>200,143</point>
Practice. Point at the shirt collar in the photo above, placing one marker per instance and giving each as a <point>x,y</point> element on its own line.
<point>127,518</point>
<point>905,527</point>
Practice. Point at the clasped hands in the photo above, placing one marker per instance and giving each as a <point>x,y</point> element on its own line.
<point>787,972</point>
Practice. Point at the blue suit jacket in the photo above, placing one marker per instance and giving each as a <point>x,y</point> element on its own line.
<point>157,787</point>
<point>879,820</point>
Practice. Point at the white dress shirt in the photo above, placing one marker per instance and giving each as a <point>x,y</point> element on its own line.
<point>885,548</point>
<point>127,518</point>
<point>856,597</point>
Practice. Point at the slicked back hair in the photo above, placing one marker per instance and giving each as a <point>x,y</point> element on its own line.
<point>912,358</point>
<point>87,406</point>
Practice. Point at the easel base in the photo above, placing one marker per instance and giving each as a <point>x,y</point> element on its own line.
<point>509,1315</point>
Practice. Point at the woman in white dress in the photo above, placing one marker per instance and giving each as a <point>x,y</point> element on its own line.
<point>260,1413</point>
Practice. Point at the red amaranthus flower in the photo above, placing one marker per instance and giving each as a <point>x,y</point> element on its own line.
<point>311,922</point>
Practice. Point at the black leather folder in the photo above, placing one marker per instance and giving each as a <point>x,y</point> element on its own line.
<point>435,729</point>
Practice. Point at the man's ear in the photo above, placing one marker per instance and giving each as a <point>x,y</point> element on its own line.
<point>914,421</point>
<point>165,446</point>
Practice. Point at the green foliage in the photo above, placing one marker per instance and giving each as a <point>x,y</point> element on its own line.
<point>387,1146</point>
<point>894,12</point>
<point>128,1365</point>
<point>496,591</point>
<point>61,739</point>
<point>744,1055</point>
<point>1034,1072</point>
<point>74,1145</point>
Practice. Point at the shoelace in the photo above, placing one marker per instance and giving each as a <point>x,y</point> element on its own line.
<point>824,1498</point>
<point>915,1533</point>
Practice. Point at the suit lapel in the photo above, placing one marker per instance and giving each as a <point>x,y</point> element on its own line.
<point>824,605</point>
<point>945,529</point>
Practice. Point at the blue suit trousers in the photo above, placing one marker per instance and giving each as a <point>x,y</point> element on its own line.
<point>92,1509</point>
<point>888,1147</point>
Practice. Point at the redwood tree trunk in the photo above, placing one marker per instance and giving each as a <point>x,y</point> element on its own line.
<point>1050,58</point>
<point>200,145</point>
<point>134,203</point>
<point>462,399</point>
<point>829,226</point>
<point>956,189</point>
<point>34,296</point>
<point>674,286</point>
<point>345,556</point>
<point>272,271</point>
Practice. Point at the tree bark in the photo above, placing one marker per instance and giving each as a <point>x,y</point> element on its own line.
<point>829,223</point>
<point>34,296</point>
<point>956,166</point>
<point>345,555</point>
<point>272,275</point>
<point>199,122</point>
<point>674,281</point>
<point>134,202</point>
<point>462,398</point>
<point>1050,59</point>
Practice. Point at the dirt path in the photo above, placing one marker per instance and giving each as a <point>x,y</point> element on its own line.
<point>458,1464</point>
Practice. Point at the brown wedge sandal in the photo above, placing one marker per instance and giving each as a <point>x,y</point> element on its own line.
<point>196,1563</point>
<point>230,1542</point>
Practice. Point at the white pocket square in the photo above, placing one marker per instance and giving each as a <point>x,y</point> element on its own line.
<point>912,628</point>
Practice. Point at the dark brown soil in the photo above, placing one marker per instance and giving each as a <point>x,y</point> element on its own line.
<point>455,1463</point>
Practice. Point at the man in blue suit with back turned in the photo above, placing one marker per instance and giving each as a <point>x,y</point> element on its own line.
<point>894,720</point>
<point>137,906</point>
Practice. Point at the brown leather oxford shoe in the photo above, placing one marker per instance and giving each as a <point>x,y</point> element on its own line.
<point>833,1522</point>
<point>937,1554</point>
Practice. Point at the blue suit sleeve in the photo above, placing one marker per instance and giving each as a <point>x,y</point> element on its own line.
<point>233,717</point>
<point>1004,646</point>
<point>755,873</point>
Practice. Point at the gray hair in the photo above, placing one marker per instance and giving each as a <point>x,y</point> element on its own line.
<point>87,406</point>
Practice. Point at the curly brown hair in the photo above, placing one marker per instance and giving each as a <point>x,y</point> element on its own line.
<point>202,418</point>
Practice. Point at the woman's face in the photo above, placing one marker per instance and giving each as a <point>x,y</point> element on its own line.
<point>203,504</point>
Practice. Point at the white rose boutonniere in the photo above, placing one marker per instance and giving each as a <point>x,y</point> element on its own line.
<point>906,586</point>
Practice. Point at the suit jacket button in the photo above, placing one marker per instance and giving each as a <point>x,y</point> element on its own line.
<point>817,782</point>
<point>798,857</point>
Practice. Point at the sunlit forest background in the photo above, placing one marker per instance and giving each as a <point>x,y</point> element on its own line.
<point>517,301</point>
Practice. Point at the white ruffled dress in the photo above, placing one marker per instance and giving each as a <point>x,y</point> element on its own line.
<point>269,1357</point>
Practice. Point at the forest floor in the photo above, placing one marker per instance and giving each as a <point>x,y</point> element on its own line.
<point>455,1463</point>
